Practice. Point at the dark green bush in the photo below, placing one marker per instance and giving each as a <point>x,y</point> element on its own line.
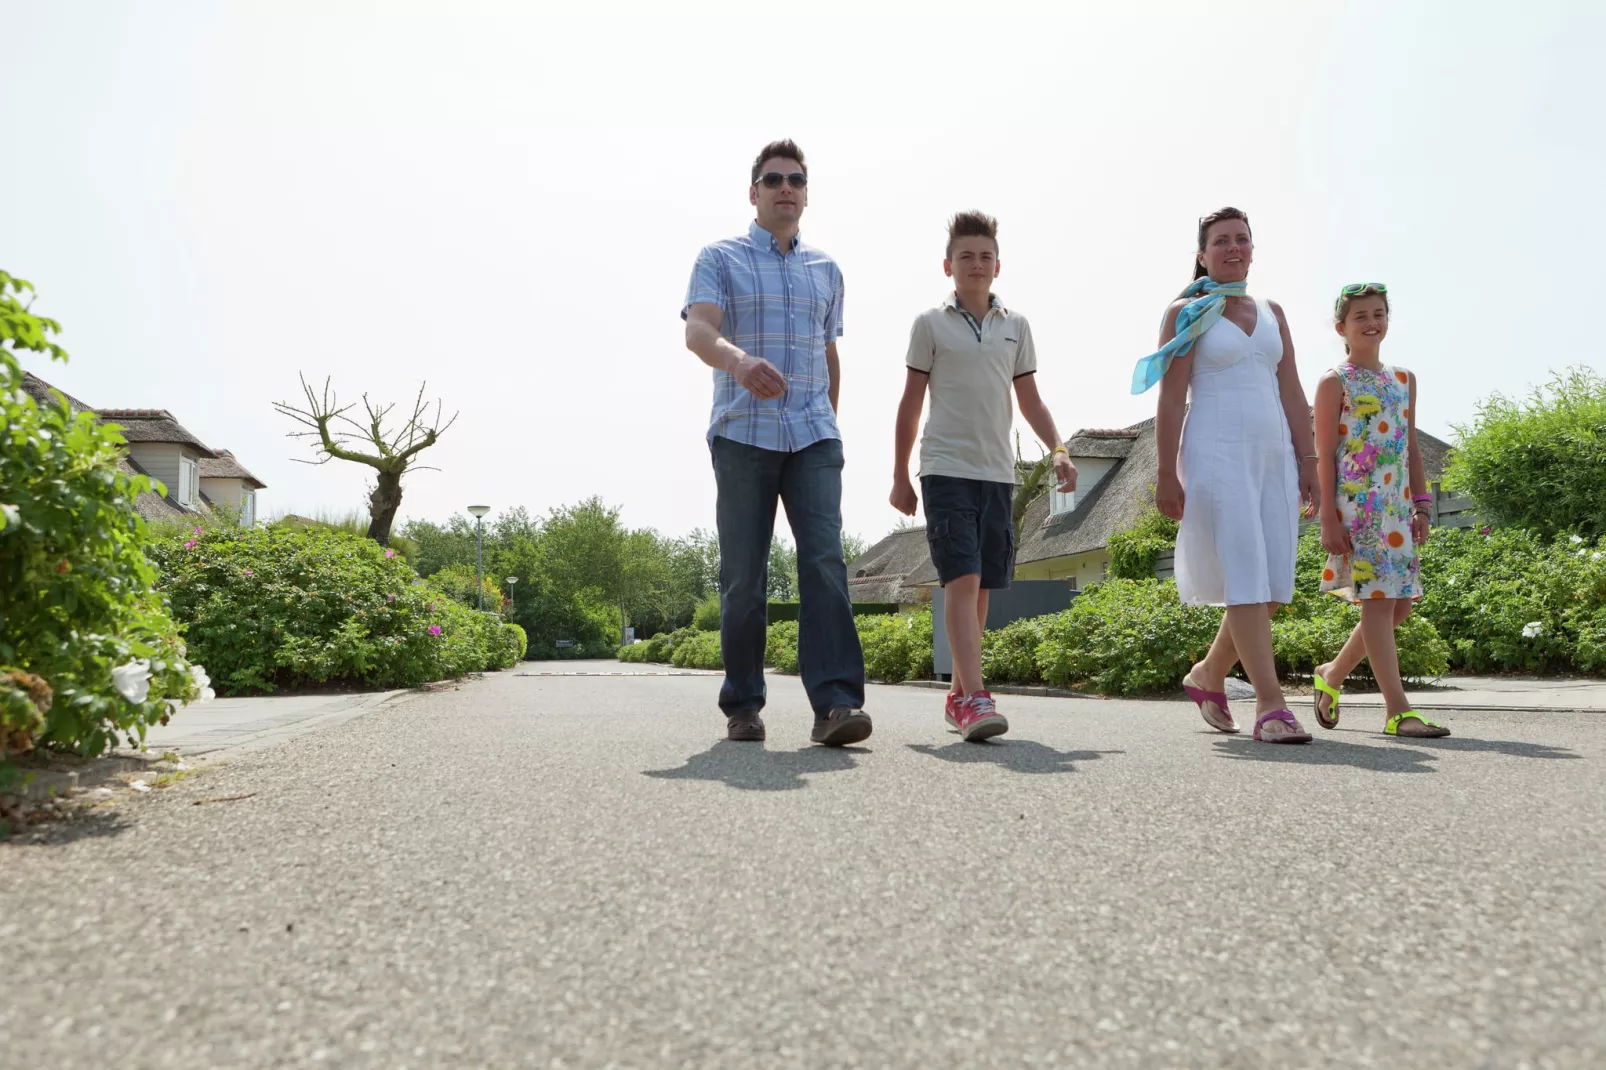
<point>277,607</point>
<point>700,651</point>
<point>521,642</point>
<point>1135,552</point>
<point>77,595</point>
<point>457,582</point>
<point>705,618</point>
<point>1539,464</point>
<point>1009,654</point>
<point>1125,637</point>
<point>788,611</point>
<point>897,648</point>
<point>1512,600</point>
<point>780,646</point>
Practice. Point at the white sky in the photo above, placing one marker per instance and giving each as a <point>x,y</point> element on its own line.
<point>506,201</point>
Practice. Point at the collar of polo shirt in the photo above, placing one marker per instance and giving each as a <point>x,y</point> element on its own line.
<point>764,238</point>
<point>953,301</point>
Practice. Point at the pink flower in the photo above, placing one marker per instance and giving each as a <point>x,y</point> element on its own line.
<point>248,572</point>
<point>390,598</point>
<point>198,531</point>
<point>190,545</point>
<point>434,629</point>
<point>389,554</point>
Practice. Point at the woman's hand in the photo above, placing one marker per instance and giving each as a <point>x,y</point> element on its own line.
<point>1168,496</point>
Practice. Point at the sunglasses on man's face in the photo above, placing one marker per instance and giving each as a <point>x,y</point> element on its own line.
<point>773,179</point>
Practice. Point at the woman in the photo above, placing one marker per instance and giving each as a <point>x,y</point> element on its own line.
<point>1234,466</point>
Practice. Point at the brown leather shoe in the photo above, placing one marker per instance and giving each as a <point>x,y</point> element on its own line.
<point>745,728</point>
<point>840,727</point>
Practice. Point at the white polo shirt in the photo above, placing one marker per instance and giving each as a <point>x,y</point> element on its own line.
<point>972,368</point>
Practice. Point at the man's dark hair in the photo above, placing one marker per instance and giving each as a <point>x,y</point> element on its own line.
<point>971,225</point>
<point>786,149</point>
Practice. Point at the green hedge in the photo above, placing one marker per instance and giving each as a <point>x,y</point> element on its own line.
<point>896,647</point>
<point>1510,600</point>
<point>273,608</point>
<point>787,611</point>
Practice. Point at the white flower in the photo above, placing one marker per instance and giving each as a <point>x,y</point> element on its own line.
<point>1595,556</point>
<point>133,681</point>
<point>1575,539</point>
<point>1449,581</point>
<point>202,681</point>
<point>1531,629</point>
<point>10,516</point>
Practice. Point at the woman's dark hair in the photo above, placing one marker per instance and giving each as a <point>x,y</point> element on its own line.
<point>1218,216</point>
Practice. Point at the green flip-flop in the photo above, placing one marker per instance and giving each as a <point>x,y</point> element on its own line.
<point>1328,720</point>
<point>1392,726</point>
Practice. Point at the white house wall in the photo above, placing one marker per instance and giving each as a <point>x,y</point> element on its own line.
<point>1086,569</point>
<point>223,490</point>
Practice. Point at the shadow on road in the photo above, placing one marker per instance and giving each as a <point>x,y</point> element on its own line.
<point>752,767</point>
<point>1016,755</point>
<point>1391,757</point>
<point>1330,752</point>
<point>94,824</point>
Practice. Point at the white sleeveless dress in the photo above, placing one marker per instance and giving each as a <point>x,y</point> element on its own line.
<point>1240,517</point>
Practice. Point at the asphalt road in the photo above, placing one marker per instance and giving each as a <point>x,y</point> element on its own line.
<point>579,872</point>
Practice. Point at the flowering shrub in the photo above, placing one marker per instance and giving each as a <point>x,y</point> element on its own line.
<point>269,608</point>
<point>1511,599</point>
<point>88,650</point>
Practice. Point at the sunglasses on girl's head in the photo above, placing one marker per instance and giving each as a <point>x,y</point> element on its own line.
<point>773,179</point>
<point>1355,289</point>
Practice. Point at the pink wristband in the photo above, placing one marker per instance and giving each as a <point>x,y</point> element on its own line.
<point>1422,499</point>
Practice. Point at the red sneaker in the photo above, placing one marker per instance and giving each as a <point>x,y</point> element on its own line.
<point>950,711</point>
<point>978,718</point>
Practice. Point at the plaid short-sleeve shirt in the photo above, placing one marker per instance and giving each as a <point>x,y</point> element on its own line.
<point>784,306</point>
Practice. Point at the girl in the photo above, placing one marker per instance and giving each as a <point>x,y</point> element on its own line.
<point>1372,522</point>
<point>1235,472</point>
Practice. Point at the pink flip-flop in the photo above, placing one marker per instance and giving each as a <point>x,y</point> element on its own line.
<point>1222,721</point>
<point>1296,732</point>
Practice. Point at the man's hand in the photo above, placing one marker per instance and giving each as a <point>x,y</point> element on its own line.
<point>759,377</point>
<point>1335,537</point>
<point>903,496</point>
<point>1168,497</point>
<point>1064,472</point>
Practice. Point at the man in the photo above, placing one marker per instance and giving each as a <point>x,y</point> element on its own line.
<point>969,352</point>
<point>764,311</point>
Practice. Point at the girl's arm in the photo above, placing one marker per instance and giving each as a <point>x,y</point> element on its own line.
<point>1173,405</point>
<point>1419,475</point>
<point>1329,407</point>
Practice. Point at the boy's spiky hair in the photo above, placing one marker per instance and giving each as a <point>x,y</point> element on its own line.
<point>971,225</point>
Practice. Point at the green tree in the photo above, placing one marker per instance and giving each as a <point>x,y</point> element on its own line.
<point>1539,463</point>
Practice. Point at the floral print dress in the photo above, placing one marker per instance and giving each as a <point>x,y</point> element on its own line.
<point>1374,495</point>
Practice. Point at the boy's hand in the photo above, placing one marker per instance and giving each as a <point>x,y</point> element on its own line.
<point>1064,473</point>
<point>903,496</point>
<point>1335,537</point>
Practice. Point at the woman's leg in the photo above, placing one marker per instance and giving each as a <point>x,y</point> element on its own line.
<point>1250,626</point>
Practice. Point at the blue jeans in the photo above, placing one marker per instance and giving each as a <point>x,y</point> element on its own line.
<point>751,481</point>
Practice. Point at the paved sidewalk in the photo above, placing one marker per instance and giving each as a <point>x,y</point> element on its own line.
<point>228,726</point>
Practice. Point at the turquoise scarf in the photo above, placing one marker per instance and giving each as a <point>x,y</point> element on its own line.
<point>1195,319</point>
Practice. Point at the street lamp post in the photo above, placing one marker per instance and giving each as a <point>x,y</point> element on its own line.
<point>478,513</point>
<point>511,580</point>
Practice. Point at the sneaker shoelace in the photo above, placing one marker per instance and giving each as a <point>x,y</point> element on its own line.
<point>981,705</point>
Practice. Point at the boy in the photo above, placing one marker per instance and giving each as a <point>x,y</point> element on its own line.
<point>968,351</point>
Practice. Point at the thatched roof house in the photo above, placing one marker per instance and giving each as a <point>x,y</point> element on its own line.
<point>196,477</point>
<point>881,573</point>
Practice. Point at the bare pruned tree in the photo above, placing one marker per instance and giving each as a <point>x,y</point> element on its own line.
<point>338,436</point>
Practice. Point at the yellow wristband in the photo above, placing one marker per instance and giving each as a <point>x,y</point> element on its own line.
<point>1061,449</point>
